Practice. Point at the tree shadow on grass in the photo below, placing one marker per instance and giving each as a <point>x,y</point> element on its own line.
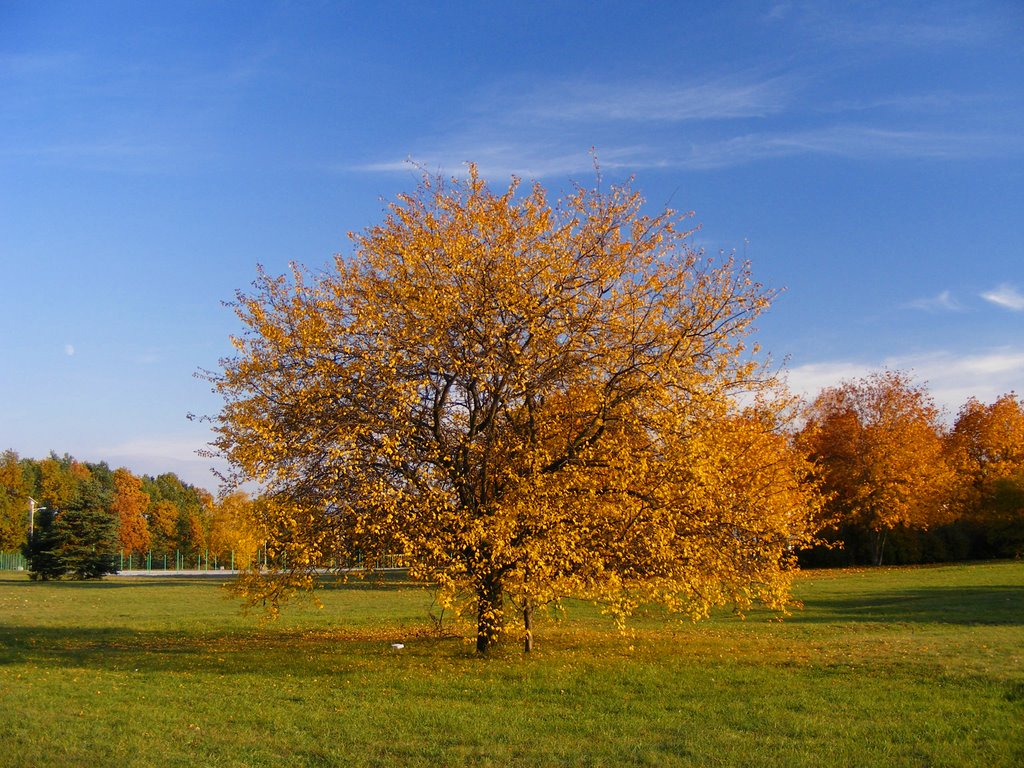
<point>380,580</point>
<point>991,605</point>
<point>114,582</point>
<point>285,651</point>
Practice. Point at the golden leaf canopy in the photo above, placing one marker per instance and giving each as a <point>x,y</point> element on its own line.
<point>526,399</point>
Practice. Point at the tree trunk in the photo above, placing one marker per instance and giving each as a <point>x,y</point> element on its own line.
<point>490,614</point>
<point>528,626</point>
<point>879,546</point>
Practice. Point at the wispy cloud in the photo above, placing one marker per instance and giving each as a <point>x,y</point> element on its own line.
<point>153,456</point>
<point>913,32</point>
<point>1006,296</point>
<point>585,101</point>
<point>148,113</point>
<point>931,103</point>
<point>178,448</point>
<point>547,130</point>
<point>727,119</point>
<point>891,25</point>
<point>537,159</point>
<point>851,142</point>
<point>951,378</point>
<point>502,159</point>
<point>943,302</point>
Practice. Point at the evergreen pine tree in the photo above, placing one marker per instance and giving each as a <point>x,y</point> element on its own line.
<point>78,541</point>
<point>87,533</point>
<point>42,549</point>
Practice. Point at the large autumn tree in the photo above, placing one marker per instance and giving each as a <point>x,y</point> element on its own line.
<point>877,444</point>
<point>528,399</point>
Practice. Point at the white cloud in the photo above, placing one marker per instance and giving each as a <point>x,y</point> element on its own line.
<point>537,159</point>
<point>652,101</point>
<point>810,378</point>
<point>164,448</point>
<point>548,130</point>
<point>845,141</point>
<point>154,456</point>
<point>500,160</point>
<point>950,378</point>
<point>69,350</point>
<point>913,35</point>
<point>895,25</point>
<point>1006,296</point>
<point>936,102</point>
<point>943,302</point>
<point>779,11</point>
<point>722,121</point>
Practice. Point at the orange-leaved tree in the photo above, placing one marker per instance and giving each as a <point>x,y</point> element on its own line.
<point>986,449</point>
<point>14,502</point>
<point>528,400</point>
<point>877,445</point>
<point>130,504</point>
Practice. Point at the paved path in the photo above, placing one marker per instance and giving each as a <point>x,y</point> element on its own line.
<point>160,572</point>
<point>225,573</point>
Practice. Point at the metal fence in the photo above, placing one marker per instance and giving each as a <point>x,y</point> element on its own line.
<point>150,561</point>
<point>12,561</point>
<point>202,561</point>
<point>173,561</point>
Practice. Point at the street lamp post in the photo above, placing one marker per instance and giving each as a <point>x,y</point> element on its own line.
<point>32,515</point>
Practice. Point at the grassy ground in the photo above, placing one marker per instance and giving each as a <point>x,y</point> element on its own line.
<point>894,667</point>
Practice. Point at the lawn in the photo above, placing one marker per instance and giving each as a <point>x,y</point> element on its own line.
<point>893,667</point>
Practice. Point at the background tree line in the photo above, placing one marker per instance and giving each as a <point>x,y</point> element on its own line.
<point>903,487</point>
<point>88,516</point>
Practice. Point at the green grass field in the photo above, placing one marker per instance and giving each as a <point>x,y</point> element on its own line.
<point>886,667</point>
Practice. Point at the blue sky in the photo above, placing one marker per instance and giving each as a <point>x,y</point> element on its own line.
<point>866,157</point>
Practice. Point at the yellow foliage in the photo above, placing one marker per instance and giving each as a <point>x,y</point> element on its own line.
<point>163,524</point>
<point>58,481</point>
<point>234,529</point>
<point>529,400</point>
